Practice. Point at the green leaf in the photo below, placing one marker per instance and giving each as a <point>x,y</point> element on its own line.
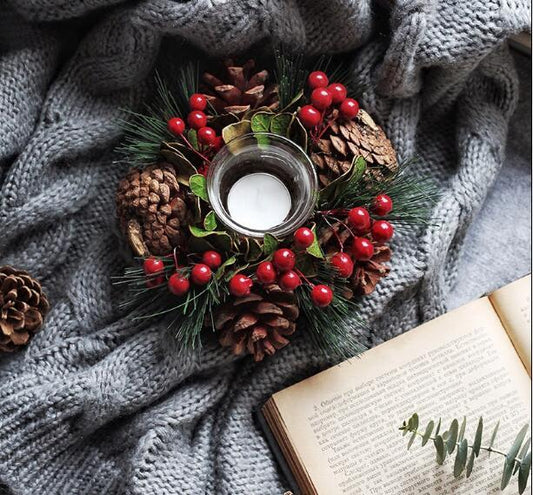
<point>280,124</point>
<point>210,221</point>
<point>460,458</point>
<point>352,175</point>
<point>222,268</point>
<point>438,427</point>
<point>462,430</point>
<point>236,130</point>
<point>261,122</point>
<point>493,436</point>
<point>255,250</point>
<point>314,249</point>
<point>270,243</point>
<point>452,439</point>
<point>198,185</point>
<point>192,137</point>
<point>411,440</point>
<point>470,464</point>
<point>298,133</point>
<point>182,164</point>
<point>427,433</point>
<point>217,238</point>
<point>441,450</point>
<point>523,473</point>
<point>523,452</point>
<point>511,455</point>
<point>477,438</point>
<point>295,100</point>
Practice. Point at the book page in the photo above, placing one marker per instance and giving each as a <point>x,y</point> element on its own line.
<point>513,305</point>
<point>343,423</point>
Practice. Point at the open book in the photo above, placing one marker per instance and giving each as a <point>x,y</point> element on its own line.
<point>338,430</point>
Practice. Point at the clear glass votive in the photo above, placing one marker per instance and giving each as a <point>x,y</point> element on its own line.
<point>260,183</point>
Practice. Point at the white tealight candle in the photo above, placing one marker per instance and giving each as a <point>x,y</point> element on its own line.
<point>259,201</point>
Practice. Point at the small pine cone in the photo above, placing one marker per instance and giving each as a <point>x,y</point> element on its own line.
<point>344,141</point>
<point>258,324</point>
<point>333,238</point>
<point>23,306</point>
<point>153,210</point>
<point>367,274</point>
<point>240,88</point>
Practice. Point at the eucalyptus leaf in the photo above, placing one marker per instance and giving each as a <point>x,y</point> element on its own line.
<point>280,124</point>
<point>460,458</point>
<point>411,440</point>
<point>511,455</point>
<point>477,438</point>
<point>462,430</point>
<point>198,185</point>
<point>452,439</point>
<point>523,473</point>
<point>270,243</point>
<point>427,433</point>
<point>470,464</point>
<point>438,427</point>
<point>210,221</point>
<point>441,450</point>
<point>493,436</point>
<point>522,454</point>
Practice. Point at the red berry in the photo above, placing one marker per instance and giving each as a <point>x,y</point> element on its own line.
<point>382,231</point>
<point>152,266</point>
<point>317,79</point>
<point>176,126</point>
<point>309,116</point>
<point>359,219</point>
<point>206,135</point>
<point>212,259</point>
<point>197,101</point>
<point>349,108</point>
<point>289,280</point>
<point>382,205</point>
<point>178,284</point>
<point>303,238</point>
<point>218,143</point>
<point>197,119</point>
<point>284,259</point>
<point>321,98</point>
<point>321,295</point>
<point>200,274</point>
<point>343,263</point>
<point>240,285</point>
<point>266,273</point>
<point>155,282</point>
<point>338,92</point>
<point>362,249</point>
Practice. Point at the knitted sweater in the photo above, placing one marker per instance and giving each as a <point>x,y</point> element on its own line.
<point>102,404</point>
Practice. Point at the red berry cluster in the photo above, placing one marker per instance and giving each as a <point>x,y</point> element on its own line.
<point>208,139</point>
<point>323,99</point>
<point>366,231</point>
<point>179,283</point>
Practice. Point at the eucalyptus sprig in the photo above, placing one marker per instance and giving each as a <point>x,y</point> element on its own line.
<point>517,459</point>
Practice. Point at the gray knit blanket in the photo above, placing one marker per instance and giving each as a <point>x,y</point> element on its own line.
<point>102,404</point>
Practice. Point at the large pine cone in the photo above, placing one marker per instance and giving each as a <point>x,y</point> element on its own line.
<point>344,141</point>
<point>23,306</point>
<point>153,210</point>
<point>239,89</point>
<point>259,323</point>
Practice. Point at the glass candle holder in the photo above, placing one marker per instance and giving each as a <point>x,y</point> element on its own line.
<point>261,183</point>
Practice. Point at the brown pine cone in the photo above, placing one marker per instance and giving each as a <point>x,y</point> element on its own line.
<point>367,274</point>
<point>344,141</point>
<point>239,89</point>
<point>23,306</point>
<point>153,210</point>
<point>258,324</point>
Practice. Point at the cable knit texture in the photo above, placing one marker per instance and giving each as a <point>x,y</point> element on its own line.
<point>102,404</point>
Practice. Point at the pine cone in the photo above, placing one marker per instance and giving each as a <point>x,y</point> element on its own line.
<point>367,274</point>
<point>344,141</point>
<point>240,89</point>
<point>23,306</point>
<point>153,210</point>
<point>258,323</point>
<point>330,236</point>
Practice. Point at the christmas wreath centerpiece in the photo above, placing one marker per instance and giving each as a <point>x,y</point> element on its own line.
<point>260,206</point>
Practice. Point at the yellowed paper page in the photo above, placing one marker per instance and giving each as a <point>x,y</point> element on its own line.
<point>344,421</point>
<point>513,305</point>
